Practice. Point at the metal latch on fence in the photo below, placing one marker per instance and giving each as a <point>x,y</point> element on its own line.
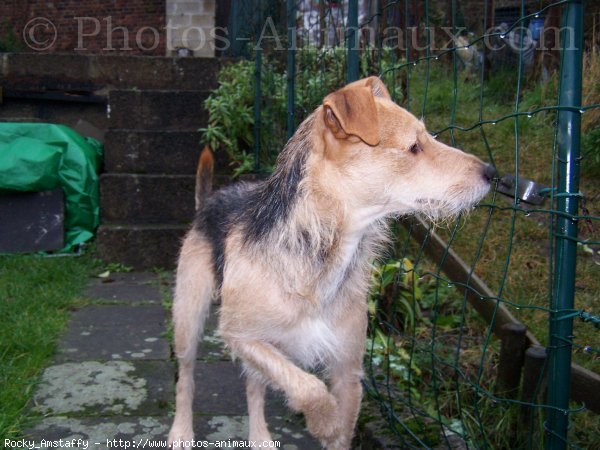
<point>525,190</point>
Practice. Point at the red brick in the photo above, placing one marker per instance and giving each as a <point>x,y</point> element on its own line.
<point>132,14</point>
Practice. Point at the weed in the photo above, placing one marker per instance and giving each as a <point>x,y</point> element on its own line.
<point>118,267</point>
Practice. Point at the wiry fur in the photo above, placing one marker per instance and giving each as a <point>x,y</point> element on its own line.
<point>290,256</point>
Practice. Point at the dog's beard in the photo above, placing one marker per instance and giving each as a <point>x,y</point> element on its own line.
<point>458,202</point>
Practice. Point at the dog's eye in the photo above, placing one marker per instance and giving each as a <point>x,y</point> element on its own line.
<point>415,148</point>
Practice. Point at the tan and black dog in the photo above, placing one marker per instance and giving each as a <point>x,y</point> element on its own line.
<point>290,256</point>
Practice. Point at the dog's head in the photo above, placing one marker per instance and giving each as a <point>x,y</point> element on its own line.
<point>380,157</point>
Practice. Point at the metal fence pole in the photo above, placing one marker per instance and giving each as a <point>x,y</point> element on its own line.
<point>569,129</point>
<point>352,36</point>
<point>234,27</point>
<point>257,82</point>
<point>291,66</point>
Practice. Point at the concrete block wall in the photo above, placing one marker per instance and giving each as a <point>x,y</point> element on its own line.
<point>190,24</point>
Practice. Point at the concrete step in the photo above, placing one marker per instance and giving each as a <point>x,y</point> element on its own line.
<point>134,198</point>
<point>93,73</point>
<point>142,151</point>
<point>149,198</point>
<point>32,110</point>
<point>140,246</point>
<point>151,110</point>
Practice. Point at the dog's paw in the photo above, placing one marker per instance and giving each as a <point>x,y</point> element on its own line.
<point>312,393</point>
<point>180,438</point>
<point>336,443</point>
<point>323,421</point>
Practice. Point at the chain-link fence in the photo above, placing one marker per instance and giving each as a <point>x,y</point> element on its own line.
<point>484,331</point>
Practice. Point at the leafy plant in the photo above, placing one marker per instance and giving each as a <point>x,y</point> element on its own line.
<point>118,267</point>
<point>389,356</point>
<point>230,112</point>
<point>395,293</point>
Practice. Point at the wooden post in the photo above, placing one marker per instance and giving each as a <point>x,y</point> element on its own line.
<point>535,358</point>
<point>533,383</point>
<point>512,355</point>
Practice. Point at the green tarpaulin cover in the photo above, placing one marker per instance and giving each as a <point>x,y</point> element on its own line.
<point>42,157</point>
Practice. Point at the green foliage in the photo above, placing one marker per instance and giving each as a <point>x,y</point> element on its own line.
<point>389,358</point>
<point>9,40</point>
<point>118,267</point>
<point>405,300</point>
<point>230,112</point>
<point>395,293</point>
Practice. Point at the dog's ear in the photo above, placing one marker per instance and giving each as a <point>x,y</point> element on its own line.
<point>352,111</point>
<point>378,87</point>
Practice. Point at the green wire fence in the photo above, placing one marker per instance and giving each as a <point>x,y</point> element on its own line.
<point>484,331</point>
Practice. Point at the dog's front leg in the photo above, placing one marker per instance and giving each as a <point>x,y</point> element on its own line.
<point>346,372</point>
<point>347,389</point>
<point>305,392</point>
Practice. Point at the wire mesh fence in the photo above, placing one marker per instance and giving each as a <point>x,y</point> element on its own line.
<point>475,323</point>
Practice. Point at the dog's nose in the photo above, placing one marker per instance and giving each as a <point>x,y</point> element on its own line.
<point>489,172</point>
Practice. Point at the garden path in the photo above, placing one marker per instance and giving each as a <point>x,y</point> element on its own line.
<point>111,383</point>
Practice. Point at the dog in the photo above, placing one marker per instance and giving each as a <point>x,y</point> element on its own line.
<point>290,256</point>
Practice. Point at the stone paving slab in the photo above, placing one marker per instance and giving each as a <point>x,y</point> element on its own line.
<point>220,390</point>
<point>80,343</point>
<point>211,347</point>
<point>122,315</point>
<point>99,433</point>
<point>128,288</point>
<point>288,430</point>
<point>145,432</point>
<point>115,333</point>
<point>92,388</point>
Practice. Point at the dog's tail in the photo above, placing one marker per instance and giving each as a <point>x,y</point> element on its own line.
<point>204,175</point>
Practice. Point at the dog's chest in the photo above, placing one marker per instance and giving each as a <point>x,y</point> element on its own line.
<point>339,275</point>
<point>310,342</point>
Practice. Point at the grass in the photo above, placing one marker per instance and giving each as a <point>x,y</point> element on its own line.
<point>36,296</point>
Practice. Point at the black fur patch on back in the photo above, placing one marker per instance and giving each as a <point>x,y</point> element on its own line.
<point>257,207</point>
<point>216,217</point>
<point>273,202</point>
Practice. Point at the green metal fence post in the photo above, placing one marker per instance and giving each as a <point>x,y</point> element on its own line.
<point>569,129</point>
<point>234,28</point>
<point>291,66</point>
<point>352,36</point>
<point>257,83</point>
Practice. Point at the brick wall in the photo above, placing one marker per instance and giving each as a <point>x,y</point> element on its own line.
<point>130,27</point>
<point>190,25</point>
